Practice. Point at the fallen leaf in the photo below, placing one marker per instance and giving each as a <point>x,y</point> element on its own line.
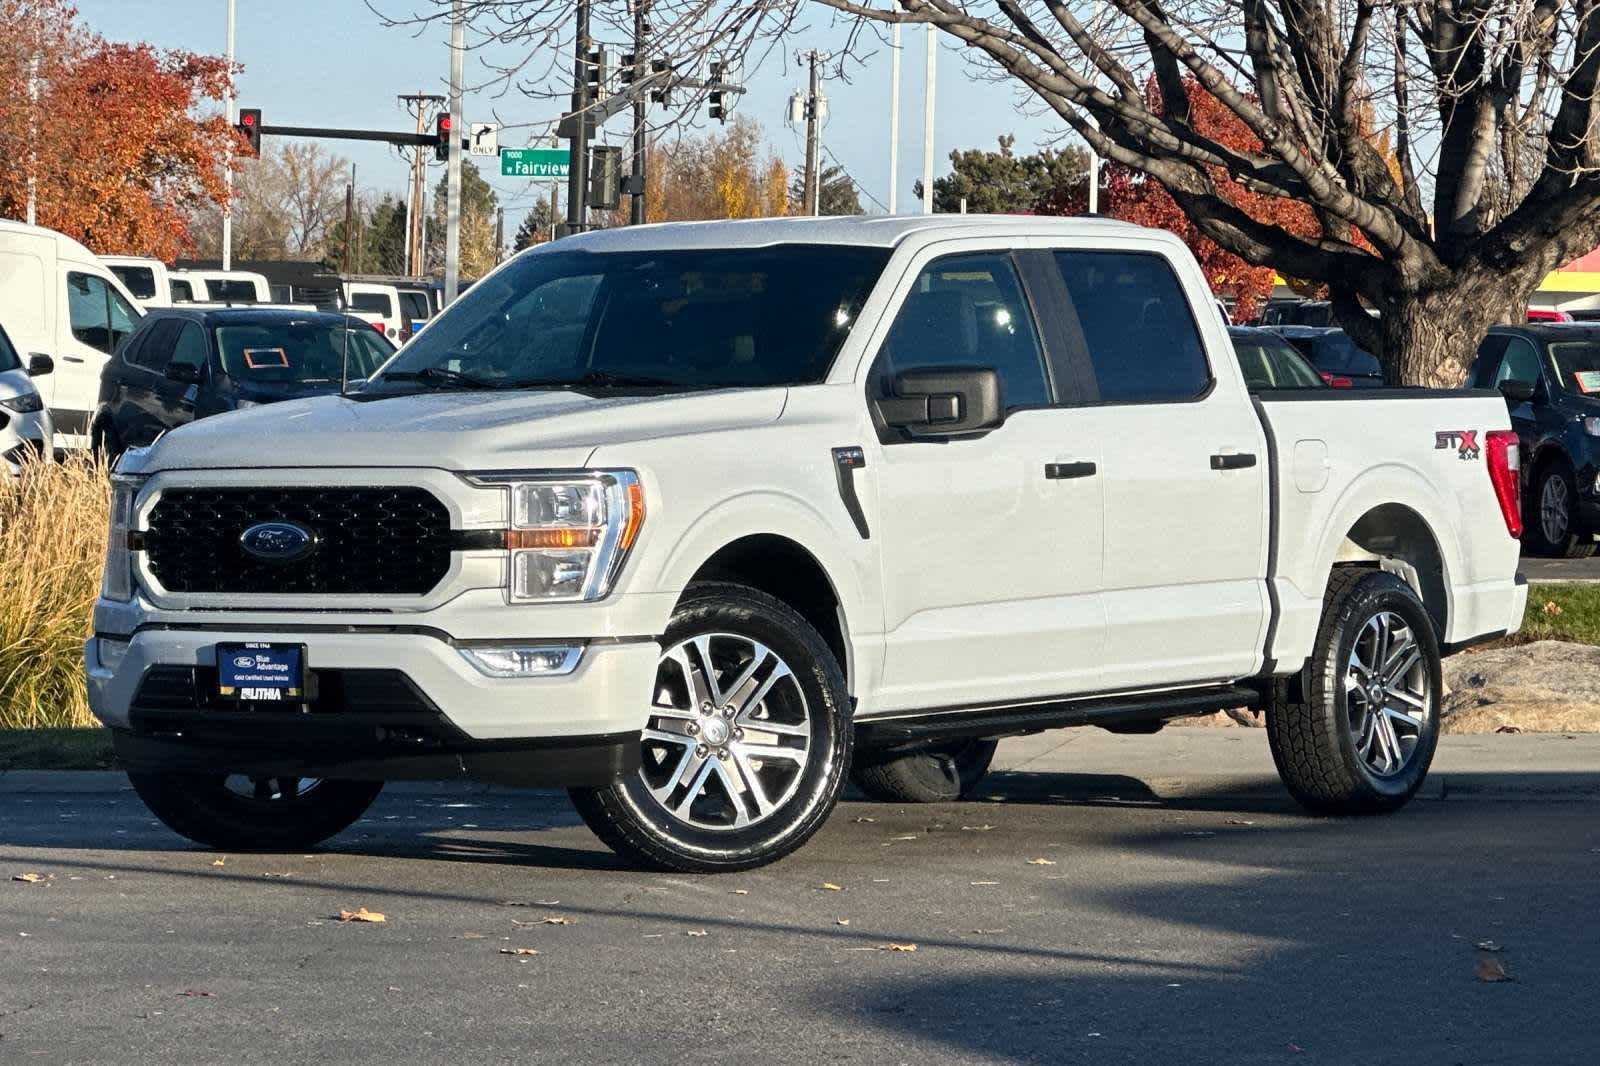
<point>863,819</point>
<point>898,947</point>
<point>1489,945</point>
<point>908,836</point>
<point>983,882</point>
<point>362,915</point>
<point>32,879</point>
<point>741,892</point>
<point>219,862</point>
<point>473,936</point>
<point>519,951</point>
<point>694,932</point>
<point>1552,607</point>
<point>195,993</point>
<point>1041,862</point>
<point>556,919</point>
<point>977,828</point>
<point>829,886</point>
<point>844,921</point>
<point>1509,729</point>
<point>1490,970</point>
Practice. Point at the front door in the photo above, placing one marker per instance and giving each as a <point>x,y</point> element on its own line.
<point>98,319</point>
<point>990,544</point>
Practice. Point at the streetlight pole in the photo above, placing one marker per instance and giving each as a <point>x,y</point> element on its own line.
<point>452,229</point>
<point>927,121</point>
<point>227,177</point>
<point>894,116</point>
<point>636,177</point>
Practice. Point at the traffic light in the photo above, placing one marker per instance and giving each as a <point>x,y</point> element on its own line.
<point>662,94</point>
<point>718,111</point>
<point>441,136</point>
<point>595,75</point>
<point>249,126</point>
<point>626,73</point>
<point>605,177</point>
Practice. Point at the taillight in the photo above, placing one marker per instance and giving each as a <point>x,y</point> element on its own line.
<point>1505,474</point>
<point>379,327</point>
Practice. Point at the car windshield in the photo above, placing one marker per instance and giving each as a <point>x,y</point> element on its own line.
<point>695,319</point>
<point>300,353</point>
<point>1273,364</point>
<point>8,355</point>
<point>1577,365</point>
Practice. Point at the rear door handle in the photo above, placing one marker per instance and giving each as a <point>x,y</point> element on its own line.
<point>1233,461</point>
<point>1067,471</point>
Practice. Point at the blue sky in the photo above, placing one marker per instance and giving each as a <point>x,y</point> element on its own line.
<point>331,63</point>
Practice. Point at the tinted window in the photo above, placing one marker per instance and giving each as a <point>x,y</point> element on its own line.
<point>967,311</point>
<point>1520,362</point>
<point>8,355</point>
<point>372,301</point>
<point>1269,363</point>
<point>281,294</point>
<point>1338,354</point>
<point>299,353</point>
<point>414,306</point>
<point>153,347</point>
<point>1140,334</point>
<point>191,346</point>
<point>141,281</point>
<point>719,317</point>
<point>231,291</point>
<point>182,291</point>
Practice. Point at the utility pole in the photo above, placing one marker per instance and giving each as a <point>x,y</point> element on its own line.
<point>927,121</point>
<point>811,188</point>
<point>452,228</point>
<point>641,64</point>
<point>499,235</point>
<point>416,203</point>
<point>578,167</point>
<point>33,138</point>
<point>894,116</point>
<point>227,173</point>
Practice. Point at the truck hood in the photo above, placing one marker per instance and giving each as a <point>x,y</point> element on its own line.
<point>452,430</point>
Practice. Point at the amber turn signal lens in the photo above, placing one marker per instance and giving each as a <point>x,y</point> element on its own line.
<point>577,537</point>
<point>630,532</point>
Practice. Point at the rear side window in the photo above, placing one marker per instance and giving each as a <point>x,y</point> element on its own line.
<point>191,345</point>
<point>414,305</point>
<point>372,301</point>
<point>1140,334</point>
<point>182,291</point>
<point>967,311</point>
<point>141,281</point>
<point>231,291</point>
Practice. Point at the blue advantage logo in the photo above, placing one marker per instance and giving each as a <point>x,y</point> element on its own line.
<point>278,542</point>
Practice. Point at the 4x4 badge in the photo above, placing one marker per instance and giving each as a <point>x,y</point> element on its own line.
<point>1465,441</point>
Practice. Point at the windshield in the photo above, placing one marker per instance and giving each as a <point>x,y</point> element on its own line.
<point>1272,364</point>
<point>8,354</point>
<point>704,318</point>
<point>1577,365</point>
<point>141,281</point>
<point>300,353</point>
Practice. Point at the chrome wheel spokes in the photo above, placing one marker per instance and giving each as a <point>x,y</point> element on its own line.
<point>1387,691</point>
<point>729,732</point>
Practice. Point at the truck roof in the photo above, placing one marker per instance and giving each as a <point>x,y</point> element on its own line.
<point>877,231</point>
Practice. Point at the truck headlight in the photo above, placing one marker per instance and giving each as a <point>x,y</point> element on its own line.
<point>116,581</point>
<point>569,534</point>
<point>25,404</point>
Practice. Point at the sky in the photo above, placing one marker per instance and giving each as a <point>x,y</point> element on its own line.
<point>333,63</point>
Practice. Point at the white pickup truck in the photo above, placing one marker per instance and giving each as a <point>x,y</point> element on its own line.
<point>698,520</point>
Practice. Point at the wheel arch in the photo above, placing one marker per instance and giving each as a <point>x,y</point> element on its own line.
<point>1397,539</point>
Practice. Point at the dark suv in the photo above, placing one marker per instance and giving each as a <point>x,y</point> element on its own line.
<point>1550,376</point>
<point>186,363</point>
<point>1335,356</point>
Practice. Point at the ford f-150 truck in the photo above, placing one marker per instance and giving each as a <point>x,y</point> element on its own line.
<point>699,520</point>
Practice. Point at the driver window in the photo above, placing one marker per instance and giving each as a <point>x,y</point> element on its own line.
<point>1520,363</point>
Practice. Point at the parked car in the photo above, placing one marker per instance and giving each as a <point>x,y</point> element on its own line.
<point>25,425</point>
<point>407,311</point>
<point>371,298</point>
<point>696,519</point>
<point>1335,356</point>
<point>1545,314</point>
<point>1268,362</point>
<point>219,287</point>
<point>144,277</point>
<point>189,363</point>
<point>60,300</point>
<point>1550,376</point>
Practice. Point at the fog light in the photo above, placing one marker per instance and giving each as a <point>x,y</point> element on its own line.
<point>524,660</point>
<point>110,653</point>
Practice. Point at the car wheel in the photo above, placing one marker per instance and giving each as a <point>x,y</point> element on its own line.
<point>108,447</point>
<point>1551,525</point>
<point>934,775</point>
<point>1354,732</point>
<point>237,813</point>
<point>747,745</point>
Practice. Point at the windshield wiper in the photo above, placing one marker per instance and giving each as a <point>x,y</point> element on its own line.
<point>441,378</point>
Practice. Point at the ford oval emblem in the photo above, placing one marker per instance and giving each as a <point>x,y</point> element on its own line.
<point>278,542</point>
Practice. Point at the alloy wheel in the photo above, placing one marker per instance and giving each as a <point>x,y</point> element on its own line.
<point>729,733</point>
<point>1553,509</point>
<point>1388,693</point>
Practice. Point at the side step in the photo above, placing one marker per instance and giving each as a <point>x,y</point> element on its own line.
<point>1117,713</point>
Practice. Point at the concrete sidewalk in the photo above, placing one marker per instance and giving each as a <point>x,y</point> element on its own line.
<point>1177,763</point>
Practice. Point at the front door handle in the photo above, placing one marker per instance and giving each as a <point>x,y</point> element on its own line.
<point>1233,461</point>
<point>73,358</point>
<point>1066,471</point>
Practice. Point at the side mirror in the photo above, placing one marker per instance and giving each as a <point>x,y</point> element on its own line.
<point>1517,391</point>
<point>939,403</point>
<point>186,373</point>
<point>40,364</point>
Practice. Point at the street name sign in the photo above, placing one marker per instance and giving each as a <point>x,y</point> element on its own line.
<point>534,162</point>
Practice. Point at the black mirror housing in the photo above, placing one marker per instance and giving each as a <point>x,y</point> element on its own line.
<point>40,364</point>
<point>944,402</point>
<point>186,373</point>
<point>1517,391</point>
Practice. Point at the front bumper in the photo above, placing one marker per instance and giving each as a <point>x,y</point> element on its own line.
<point>24,434</point>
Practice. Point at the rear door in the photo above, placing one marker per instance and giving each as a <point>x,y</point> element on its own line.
<point>137,412</point>
<point>175,400</point>
<point>990,543</point>
<point>1183,468</point>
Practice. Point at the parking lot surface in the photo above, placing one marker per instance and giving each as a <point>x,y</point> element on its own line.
<point>1189,913</point>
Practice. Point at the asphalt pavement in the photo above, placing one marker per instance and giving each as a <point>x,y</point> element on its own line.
<point>1108,899</point>
<point>1586,571</point>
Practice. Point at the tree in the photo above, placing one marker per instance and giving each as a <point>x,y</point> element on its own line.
<point>1492,105</point>
<point>1003,182</point>
<point>536,225</point>
<point>283,205</point>
<point>478,206</point>
<point>120,153</point>
<point>836,193</point>
<point>728,173</point>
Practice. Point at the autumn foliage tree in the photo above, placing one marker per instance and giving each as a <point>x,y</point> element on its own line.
<point>728,173</point>
<point>118,144</point>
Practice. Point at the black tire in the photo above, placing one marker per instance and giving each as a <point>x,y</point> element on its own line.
<point>1562,537</point>
<point>1310,715</point>
<point>202,808</point>
<point>941,774</point>
<point>107,446</point>
<point>638,827</point>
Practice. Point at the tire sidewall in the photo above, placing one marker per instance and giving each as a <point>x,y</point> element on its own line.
<point>1384,592</point>
<point>1533,521</point>
<point>819,679</point>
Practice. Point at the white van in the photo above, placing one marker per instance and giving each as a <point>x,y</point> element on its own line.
<point>144,277</point>
<point>220,287</point>
<point>59,299</point>
<point>365,297</point>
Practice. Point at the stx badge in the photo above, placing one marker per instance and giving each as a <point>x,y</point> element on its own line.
<point>1464,441</point>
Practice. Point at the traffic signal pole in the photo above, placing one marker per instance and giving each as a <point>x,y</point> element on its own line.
<point>578,138</point>
<point>227,173</point>
<point>452,229</point>
<point>636,178</point>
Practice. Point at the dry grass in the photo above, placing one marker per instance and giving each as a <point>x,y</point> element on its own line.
<point>52,542</point>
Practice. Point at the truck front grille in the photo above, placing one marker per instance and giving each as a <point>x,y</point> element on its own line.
<point>384,540</point>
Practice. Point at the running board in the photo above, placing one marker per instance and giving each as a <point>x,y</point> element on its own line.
<point>1118,713</point>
